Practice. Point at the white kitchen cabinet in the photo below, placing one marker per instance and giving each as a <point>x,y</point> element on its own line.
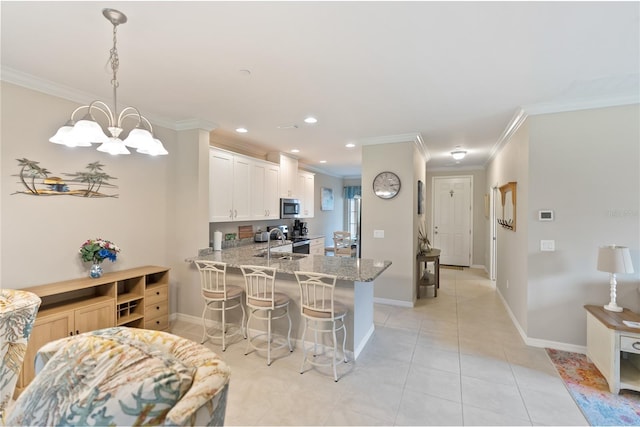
<point>316,246</point>
<point>306,182</point>
<point>266,196</point>
<point>229,186</point>
<point>288,174</point>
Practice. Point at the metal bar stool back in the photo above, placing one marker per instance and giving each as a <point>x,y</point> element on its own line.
<point>264,303</point>
<point>219,296</point>
<point>321,314</point>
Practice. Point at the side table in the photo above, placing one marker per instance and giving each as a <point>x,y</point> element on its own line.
<point>425,278</point>
<point>614,347</point>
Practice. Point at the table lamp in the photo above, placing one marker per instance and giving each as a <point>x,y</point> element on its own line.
<point>614,259</point>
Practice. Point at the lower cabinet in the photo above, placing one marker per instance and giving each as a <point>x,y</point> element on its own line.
<point>316,247</point>
<point>138,297</point>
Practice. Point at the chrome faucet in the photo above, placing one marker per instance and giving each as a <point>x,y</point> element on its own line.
<point>278,231</point>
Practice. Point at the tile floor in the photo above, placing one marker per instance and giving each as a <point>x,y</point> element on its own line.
<point>452,360</point>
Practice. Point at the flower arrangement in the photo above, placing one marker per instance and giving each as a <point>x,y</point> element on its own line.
<point>97,250</point>
<point>425,244</point>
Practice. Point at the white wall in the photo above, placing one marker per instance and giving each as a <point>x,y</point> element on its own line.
<point>584,166</point>
<point>396,217</point>
<point>326,222</point>
<point>512,165</point>
<point>160,216</point>
<point>41,235</point>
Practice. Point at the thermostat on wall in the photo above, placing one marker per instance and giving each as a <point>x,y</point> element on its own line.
<point>545,215</point>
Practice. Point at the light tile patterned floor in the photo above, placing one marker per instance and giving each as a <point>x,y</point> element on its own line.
<point>452,360</point>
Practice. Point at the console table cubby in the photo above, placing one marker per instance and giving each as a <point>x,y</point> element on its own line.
<point>137,297</point>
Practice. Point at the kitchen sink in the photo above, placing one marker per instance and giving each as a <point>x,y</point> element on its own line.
<point>282,256</point>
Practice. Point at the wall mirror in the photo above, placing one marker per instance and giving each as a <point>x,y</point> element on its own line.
<point>508,197</point>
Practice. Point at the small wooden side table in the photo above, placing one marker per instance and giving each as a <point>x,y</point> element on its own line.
<point>614,347</point>
<point>426,278</point>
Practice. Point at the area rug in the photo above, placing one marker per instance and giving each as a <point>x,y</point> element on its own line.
<point>451,267</point>
<point>590,390</point>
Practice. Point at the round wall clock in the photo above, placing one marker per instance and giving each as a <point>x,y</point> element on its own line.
<point>386,185</point>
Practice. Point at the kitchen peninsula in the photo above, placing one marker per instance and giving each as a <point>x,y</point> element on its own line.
<point>354,286</point>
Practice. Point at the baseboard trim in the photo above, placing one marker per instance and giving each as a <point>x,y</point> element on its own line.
<point>395,302</point>
<point>535,342</point>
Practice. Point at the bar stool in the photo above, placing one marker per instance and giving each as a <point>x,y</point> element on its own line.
<point>264,303</point>
<point>343,244</point>
<point>217,295</point>
<point>321,313</point>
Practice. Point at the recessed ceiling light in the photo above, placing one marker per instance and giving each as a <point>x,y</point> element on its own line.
<point>295,150</point>
<point>323,161</point>
<point>241,130</point>
<point>311,120</point>
<point>350,145</point>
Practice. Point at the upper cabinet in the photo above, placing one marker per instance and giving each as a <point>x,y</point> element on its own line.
<point>229,186</point>
<point>306,193</point>
<point>242,188</point>
<point>265,188</point>
<point>288,174</point>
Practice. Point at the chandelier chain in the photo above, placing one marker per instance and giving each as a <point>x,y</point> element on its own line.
<point>114,59</point>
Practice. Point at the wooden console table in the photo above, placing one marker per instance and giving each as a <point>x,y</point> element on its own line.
<point>426,278</point>
<point>614,347</point>
<point>137,297</point>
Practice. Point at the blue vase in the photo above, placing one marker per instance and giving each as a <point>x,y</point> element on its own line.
<point>95,271</point>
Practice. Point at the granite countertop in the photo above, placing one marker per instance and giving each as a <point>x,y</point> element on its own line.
<point>345,268</point>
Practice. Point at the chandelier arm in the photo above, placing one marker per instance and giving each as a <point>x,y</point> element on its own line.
<point>104,108</point>
<point>148,123</point>
<point>129,112</point>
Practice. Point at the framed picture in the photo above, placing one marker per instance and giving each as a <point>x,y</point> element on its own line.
<point>420,197</point>
<point>326,198</point>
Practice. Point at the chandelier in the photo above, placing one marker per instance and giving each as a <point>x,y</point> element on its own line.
<point>87,131</point>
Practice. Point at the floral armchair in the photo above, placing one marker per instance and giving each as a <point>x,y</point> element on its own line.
<point>124,376</point>
<point>18,311</point>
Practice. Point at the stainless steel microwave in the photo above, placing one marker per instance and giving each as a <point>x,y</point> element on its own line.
<point>289,208</point>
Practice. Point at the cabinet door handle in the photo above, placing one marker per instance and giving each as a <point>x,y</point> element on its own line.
<point>157,292</point>
<point>235,213</point>
<point>231,213</point>
<point>636,345</point>
<point>71,333</point>
<point>157,307</point>
<point>77,332</point>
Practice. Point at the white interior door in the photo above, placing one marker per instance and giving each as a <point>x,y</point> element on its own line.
<point>452,219</point>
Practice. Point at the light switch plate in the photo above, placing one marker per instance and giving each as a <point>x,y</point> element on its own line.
<point>378,234</point>
<point>547,245</point>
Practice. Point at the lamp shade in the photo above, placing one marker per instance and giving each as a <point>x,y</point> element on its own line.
<point>614,259</point>
<point>139,138</point>
<point>114,147</point>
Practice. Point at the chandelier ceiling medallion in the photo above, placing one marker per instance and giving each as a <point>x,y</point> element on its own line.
<point>87,131</point>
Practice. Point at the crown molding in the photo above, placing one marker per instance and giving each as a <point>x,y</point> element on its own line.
<point>524,112</point>
<point>514,124</point>
<point>581,104</point>
<point>48,87</point>
<point>415,137</point>
<point>189,124</point>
